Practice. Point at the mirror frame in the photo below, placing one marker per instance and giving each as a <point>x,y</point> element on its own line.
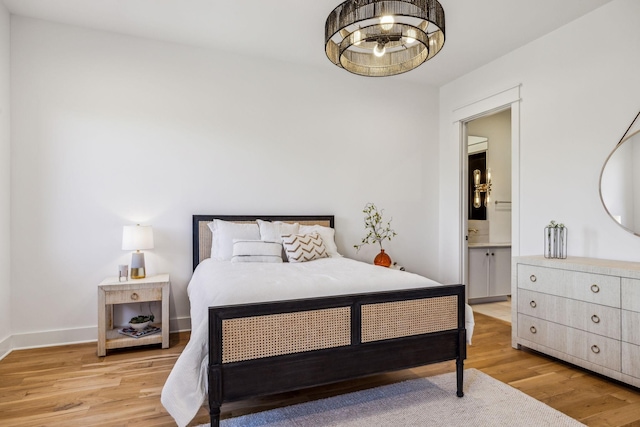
<point>626,137</point>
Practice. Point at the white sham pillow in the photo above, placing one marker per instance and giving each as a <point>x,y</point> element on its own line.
<point>328,237</point>
<point>272,231</point>
<point>256,251</point>
<point>224,233</point>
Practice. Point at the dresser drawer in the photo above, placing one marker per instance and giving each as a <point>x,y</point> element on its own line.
<point>631,327</point>
<point>594,318</point>
<point>138,295</point>
<point>631,294</point>
<point>631,359</point>
<point>595,288</point>
<point>593,348</point>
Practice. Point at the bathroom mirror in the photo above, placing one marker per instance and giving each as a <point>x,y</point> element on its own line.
<point>620,181</point>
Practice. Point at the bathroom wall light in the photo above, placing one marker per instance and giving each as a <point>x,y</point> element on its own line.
<point>479,187</point>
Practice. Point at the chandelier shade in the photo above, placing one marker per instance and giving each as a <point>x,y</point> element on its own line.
<point>378,38</point>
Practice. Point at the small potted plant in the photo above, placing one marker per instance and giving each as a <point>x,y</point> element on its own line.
<point>140,322</point>
<point>377,232</point>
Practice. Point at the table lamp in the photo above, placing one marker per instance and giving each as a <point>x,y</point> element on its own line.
<point>136,238</point>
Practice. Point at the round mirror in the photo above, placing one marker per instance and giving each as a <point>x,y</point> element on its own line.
<point>620,183</point>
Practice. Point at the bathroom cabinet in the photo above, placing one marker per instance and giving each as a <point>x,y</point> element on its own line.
<point>489,273</point>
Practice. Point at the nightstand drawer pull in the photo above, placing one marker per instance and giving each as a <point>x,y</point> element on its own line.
<point>533,278</point>
<point>135,296</point>
<point>533,304</point>
<point>533,329</point>
<point>595,349</point>
<point>595,318</point>
<point>595,288</point>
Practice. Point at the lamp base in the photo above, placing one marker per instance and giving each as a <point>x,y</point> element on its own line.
<point>137,265</point>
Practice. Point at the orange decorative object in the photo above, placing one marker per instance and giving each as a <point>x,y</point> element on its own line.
<point>382,259</point>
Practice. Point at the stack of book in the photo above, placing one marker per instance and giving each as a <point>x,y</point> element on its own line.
<point>137,333</point>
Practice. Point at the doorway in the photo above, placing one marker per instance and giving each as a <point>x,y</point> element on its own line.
<point>489,214</point>
<point>505,102</point>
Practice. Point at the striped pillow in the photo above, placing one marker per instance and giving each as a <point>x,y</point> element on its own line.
<point>256,251</point>
<point>304,247</point>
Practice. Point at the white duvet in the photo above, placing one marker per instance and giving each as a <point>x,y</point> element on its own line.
<point>218,283</point>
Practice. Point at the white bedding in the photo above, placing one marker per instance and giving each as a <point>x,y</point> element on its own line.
<point>218,283</point>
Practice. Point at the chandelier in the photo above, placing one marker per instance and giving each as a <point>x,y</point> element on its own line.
<point>380,38</point>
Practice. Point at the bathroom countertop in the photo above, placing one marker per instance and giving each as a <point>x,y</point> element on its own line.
<point>489,245</point>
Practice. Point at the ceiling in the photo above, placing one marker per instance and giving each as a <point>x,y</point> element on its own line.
<point>293,30</point>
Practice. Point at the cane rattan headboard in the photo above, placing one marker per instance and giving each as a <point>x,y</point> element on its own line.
<point>202,234</point>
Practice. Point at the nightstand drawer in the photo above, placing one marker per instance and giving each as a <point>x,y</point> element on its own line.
<point>138,295</point>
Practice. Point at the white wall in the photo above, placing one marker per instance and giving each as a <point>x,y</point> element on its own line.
<point>497,128</point>
<point>5,195</point>
<point>111,130</point>
<point>580,91</point>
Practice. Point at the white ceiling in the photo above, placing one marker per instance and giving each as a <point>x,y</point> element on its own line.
<point>477,31</point>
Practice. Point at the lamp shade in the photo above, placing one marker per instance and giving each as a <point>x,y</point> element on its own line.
<point>137,237</point>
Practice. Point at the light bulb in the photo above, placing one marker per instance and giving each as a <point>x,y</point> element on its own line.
<point>386,22</point>
<point>379,50</point>
<point>476,199</point>
<point>476,177</point>
<point>487,199</point>
<point>410,37</point>
<point>357,38</point>
<point>488,175</point>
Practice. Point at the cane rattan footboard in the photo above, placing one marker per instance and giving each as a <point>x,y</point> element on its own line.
<point>268,348</point>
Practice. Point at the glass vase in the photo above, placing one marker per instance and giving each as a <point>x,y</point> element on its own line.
<point>555,242</point>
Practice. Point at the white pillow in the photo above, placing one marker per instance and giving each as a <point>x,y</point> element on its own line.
<point>224,232</point>
<point>271,231</point>
<point>304,247</point>
<point>256,251</point>
<point>328,237</point>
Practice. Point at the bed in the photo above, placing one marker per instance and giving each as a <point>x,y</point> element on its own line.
<point>304,324</point>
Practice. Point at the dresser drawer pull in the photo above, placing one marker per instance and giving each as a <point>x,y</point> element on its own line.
<point>135,296</point>
<point>595,349</point>
<point>533,329</point>
<point>533,278</point>
<point>595,318</point>
<point>595,288</point>
<point>533,304</point>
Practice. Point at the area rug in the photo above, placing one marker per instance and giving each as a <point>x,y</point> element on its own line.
<point>421,402</point>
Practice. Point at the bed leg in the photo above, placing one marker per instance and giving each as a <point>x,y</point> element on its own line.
<point>214,415</point>
<point>459,376</point>
<point>215,394</point>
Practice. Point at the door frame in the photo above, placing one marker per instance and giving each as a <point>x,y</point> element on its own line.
<point>503,100</point>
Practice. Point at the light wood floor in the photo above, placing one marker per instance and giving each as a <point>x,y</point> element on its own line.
<point>71,386</point>
<point>498,309</point>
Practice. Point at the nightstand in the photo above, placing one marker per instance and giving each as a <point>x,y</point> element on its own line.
<point>111,292</point>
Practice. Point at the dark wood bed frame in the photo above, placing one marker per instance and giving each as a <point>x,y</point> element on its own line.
<point>245,379</point>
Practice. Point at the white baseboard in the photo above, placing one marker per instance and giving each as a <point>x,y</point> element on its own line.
<point>180,324</point>
<point>68,336</point>
<point>6,345</point>
<point>53,338</point>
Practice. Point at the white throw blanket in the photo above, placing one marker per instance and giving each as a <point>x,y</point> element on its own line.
<point>219,283</point>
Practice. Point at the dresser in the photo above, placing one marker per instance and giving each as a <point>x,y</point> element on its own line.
<point>585,311</point>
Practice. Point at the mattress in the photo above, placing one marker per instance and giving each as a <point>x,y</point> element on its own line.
<point>220,283</point>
